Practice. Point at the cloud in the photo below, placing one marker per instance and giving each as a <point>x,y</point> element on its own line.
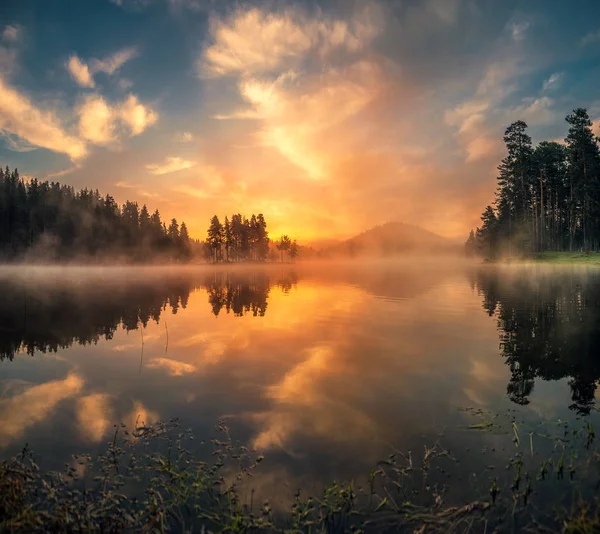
<point>10,33</point>
<point>80,72</point>
<point>518,30</point>
<point>127,185</point>
<point>536,110</point>
<point>255,41</point>
<point>136,116</point>
<point>64,172</point>
<point>125,84</point>
<point>83,73</point>
<point>552,81</point>
<point>171,164</point>
<point>111,64</point>
<point>97,120</point>
<point>19,117</point>
<point>16,144</point>
<point>185,137</point>
<point>591,37</point>
<point>472,117</point>
<point>192,5</point>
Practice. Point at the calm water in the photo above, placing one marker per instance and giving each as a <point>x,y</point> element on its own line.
<point>323,368</point>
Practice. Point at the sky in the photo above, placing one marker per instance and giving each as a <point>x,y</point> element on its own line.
<point>329,116</point>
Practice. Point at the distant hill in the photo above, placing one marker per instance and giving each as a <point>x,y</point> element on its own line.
<point>393,239</point>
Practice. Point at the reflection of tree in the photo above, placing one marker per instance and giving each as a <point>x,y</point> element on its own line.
<point>287,282</point>
<point>39,316</point>
<point>549,328</point>
<point>240,294</point>
<point>47,318</point>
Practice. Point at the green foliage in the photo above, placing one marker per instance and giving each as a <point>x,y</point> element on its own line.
<point>156,478</point>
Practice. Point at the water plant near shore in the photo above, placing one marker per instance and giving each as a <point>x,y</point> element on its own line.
<point>150,479</point>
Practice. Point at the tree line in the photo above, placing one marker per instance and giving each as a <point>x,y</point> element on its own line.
<point>241,239</point>
<point>53,221</point>
<point>548,196</point>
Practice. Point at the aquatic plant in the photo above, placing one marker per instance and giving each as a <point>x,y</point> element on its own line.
<point>157,478</point>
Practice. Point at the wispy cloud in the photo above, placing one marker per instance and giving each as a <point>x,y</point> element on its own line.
<point>518,30</point>
<point>64,172</point>
<point>113,63</point>
<point>127,185</point>
<point>16,144</point>
<point>591,37</point>
<point>10,33</point>
<point>80,72</point>
<point>83,73</point>
<point>170,164</point>
<point>256,41</point>
<point>20,117</point>
<point>184,137</point>
<point>552,81</point>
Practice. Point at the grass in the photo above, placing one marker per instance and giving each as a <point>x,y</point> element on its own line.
<point>593,258</point>
<point>147,480</point>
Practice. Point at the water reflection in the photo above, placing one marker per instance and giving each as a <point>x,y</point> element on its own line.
<point>323,368</point>
<point>549,328</point>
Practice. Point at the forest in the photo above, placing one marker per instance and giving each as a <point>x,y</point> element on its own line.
<point>47,221</point>
<point>548,196</point>
<point>50,221</point>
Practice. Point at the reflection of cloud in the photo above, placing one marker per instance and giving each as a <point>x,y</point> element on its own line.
<point>94,415</point>
<point>140,415</point>
<point>34,405</point>
<point>301,403</point>
<point>171,367</point>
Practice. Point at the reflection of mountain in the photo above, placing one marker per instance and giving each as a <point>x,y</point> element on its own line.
<point>387,279</point>
<point>549,327</point>
<point>393,239</point>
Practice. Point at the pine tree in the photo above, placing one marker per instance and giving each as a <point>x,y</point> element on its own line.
<point>215,237</point>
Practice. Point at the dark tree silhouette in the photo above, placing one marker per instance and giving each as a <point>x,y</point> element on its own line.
<point>548,197</point>
<point>240,239</point>
<point>50,221</point>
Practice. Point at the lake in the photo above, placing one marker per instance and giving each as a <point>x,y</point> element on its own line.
<point>325,369</point>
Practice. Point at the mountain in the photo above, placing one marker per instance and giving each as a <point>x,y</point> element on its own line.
<point>394,239</point>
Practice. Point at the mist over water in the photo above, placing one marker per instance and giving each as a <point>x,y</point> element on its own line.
<point>323,367</point>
